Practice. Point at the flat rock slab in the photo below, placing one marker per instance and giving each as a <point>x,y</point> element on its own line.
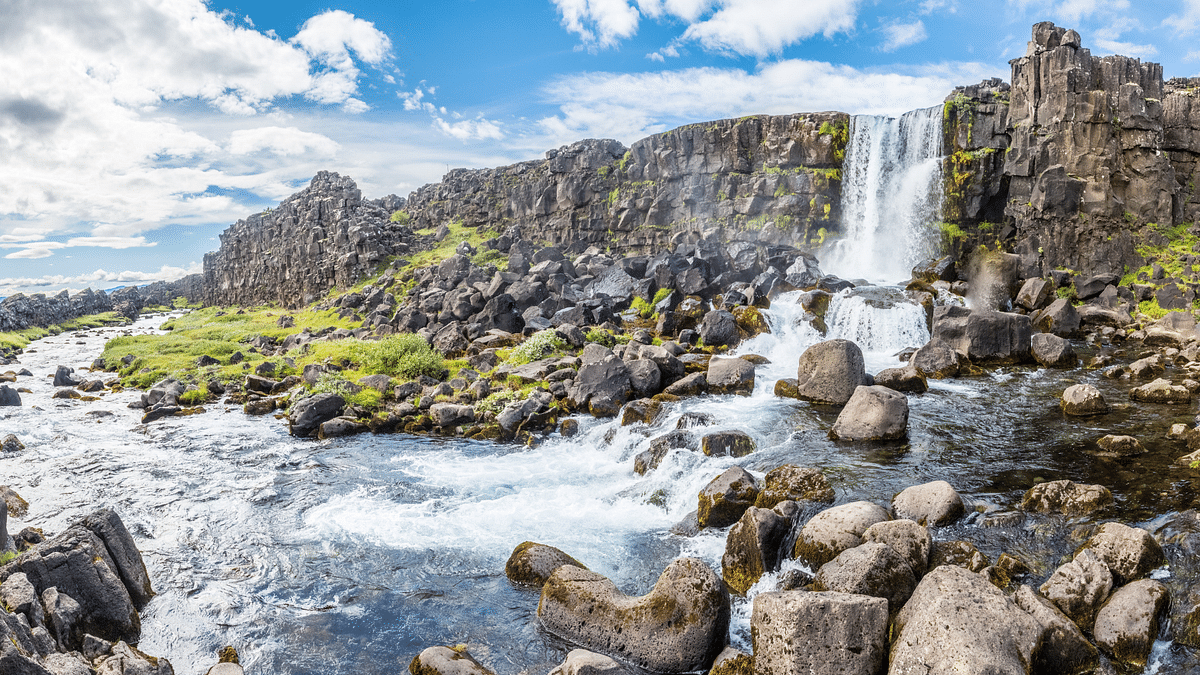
<point>679,626</point>
<point>825,633</point>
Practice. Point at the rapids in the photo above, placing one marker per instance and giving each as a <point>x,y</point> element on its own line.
<point>352,555</point>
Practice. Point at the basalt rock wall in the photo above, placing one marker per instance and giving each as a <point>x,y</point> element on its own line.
<point>20,311</point>
<point>775,178</point>
<point>324,236</point>
<point>1071,164</point>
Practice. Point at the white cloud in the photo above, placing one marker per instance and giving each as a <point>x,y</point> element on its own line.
<point>628,106</point>
<point>111,242</point>
<point>902,35</point>
<point>599,23</point>
<point>473,129</point>
<point>931,6</point>
<point>1125,48</point>
<point>107,131</point>
<point>1187,21</point>
<point>765,27</point>
<point>280,141</point>
<point>31,253</point>
<point>97,279</point>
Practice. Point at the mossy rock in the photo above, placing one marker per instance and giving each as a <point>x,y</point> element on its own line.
<point>750,321</point>
<point>957,553</point>
<point>447,661</point>
<point>531,564</point>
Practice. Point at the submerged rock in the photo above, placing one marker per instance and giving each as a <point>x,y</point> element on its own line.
<point>1066,497</point>
<point>680,626</point>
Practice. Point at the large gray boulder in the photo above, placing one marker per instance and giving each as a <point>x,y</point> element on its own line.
<point>907,379</point>
<point>9,396</point>
<point>446,661</point>
<point>828,633</point>
<point>1064,648</point>
<point>753,547</point>
<point>1060,318</point>
<point>730,376</point>
<point>1127,625</point>
<point>451,415</point>
<point>307,415</point>
<point>871,568</point>
<point>1053,351</point>
<point>1081,400</point>
<point>602,385</point>
<point>936,359</point>
<point>719,329</point>
<point>873,413</point>
<point>1078,587</point>
<point>830,371</point>
<point>679,626</point>
<point>984,336</point>
<point>63,377</point>
<point>958,622</point>
<point>1129,552</point>
<point>911,541</point>
<point>726,497</point>
<point>1161,391</point>
<point>933,503</point>
<point>836,529</point>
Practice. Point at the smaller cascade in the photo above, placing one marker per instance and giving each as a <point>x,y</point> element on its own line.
<point>891,196</point>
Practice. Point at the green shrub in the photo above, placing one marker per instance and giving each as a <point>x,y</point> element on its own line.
<point>335,383</point>
<point>1152,309</point>
<point>193,397</point>
<point>537,346</point>
<point>600,337</point>
<point>401,217</point>
<point>405,356</point>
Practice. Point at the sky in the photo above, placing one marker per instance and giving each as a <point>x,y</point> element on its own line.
<point>132,132</point>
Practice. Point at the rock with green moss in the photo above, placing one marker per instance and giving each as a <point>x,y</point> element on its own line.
<point>1127,624</point>
<point>643,410</point>
<point>753,547</point>
<point>727,444</point>
<point>531,564</point>
<point>1066,497</point>
<point>732,661</point>
<point>750,321</point>
<point>726,497</point>
<point>1129,552</point>
<point>792,482</point>
<point>679,626</point>
<point>835,530</point>
<point>447,661</point>
<point>826,633</point>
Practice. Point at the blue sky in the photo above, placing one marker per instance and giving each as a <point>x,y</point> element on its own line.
<point>132,132</point>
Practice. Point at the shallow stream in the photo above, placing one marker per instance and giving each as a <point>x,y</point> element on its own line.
<point>352,555</point>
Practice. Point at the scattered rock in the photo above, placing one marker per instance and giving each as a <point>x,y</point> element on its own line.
<point>9,396</point>
<point>937,359</point>
<point>908,379</point>
<point>1120,446</point>
<point>1130,553</point>
<point>753,547</point>
<point>1066,497</point>
<point>869,569</point>
<point>1082,400</point>
<point>934,503</point>
<point>11,444</point>
<point>307,415</point>
<point>727,444</point>
<point>726,497</point>
<point>830,371</point>
<point>1064,649</point>
<point>873,413</point>
<point>1161,391</point>
<point>794,483</point>
<point>1127,625</point>
<point>680,626</point>
<point>583,662</point>
<point>911,541</point>
<point>1053,351</point>
<point>1078,587</point>
<point>730,376</point>
<point>446,661</point>
<point>836,529</point>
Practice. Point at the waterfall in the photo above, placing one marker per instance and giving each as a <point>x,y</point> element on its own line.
<point>891,196</point>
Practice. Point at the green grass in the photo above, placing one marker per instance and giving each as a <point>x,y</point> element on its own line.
<point>601,337</point>
<point>1151,308</point>
<point>445,248</point>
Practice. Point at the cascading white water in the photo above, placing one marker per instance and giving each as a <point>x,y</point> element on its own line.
<point>891,196</point>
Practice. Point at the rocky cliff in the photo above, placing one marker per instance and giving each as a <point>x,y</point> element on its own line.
<point>778,178</point>
<point>20,311</point>
<point>324,236</point>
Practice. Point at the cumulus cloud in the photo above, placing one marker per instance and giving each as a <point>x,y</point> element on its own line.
<point>902,35</point>
<point>97,279</point>
<point>464,130</point>
<point>629,106</point>
<point>106,134</point>
<point>598,23</point>
<point>1187,21</point>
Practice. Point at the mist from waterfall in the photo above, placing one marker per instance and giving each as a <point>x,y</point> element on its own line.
<point>891,196</point>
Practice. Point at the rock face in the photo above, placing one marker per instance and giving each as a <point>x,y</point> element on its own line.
<point>872,414</point>
<point>801,633</point>
<point>680,626</point>
<point>830,371</point>
<point>20,311</point>
<point>665,187</point>
<point>326,235</point>
<point>957,622</point>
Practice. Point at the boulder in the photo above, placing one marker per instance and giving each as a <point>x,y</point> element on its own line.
<point>659,447</point>
<point>1129,552</point>
<point>446,661</point>
<point>307,415</point>
<point>11,443</point>
<point>449,415</point>
<point>531,564</point>
<point>908,379</point>
<point>1079,587</point>
<point>1161,391</point>
<point>719,329</point>
<point>753,547</point>
<point>20,596</point>
<point>869,569</point>
<point>1066,497</point>
<point>9,396</point>
<point>732,661</point>
<point>1081,400</point>
<point>1120,446</point>
<point>694,384</point>
<point>959,554</point>
<point>727,444</point>
<point>730,376</point>
<point>1053,351</point>
<point>794,483</point>
<point>679,626</point>
<point>936,359</point>
<point>340,426</point>
<point>127,660</point>
<point>726,497</point>
<point>1146,368</point>
<point>583,662</point>
<point>984,336</point>
<point>645,378</point>
<point>958,622</point>
<point>911,541</point>
<point>827,633</point>
<point>643,410</point>
<point>934,503</point>
<point>1035,293</point>
<point>1060,318</point>
<point>830,371</point>
<point>1064,649</point>
<point>836,529</point>
<point>873,413</point>
<point>63,377</point>
<point>259,384</point>
<point>1127,624</point>
<point>602,385</point>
